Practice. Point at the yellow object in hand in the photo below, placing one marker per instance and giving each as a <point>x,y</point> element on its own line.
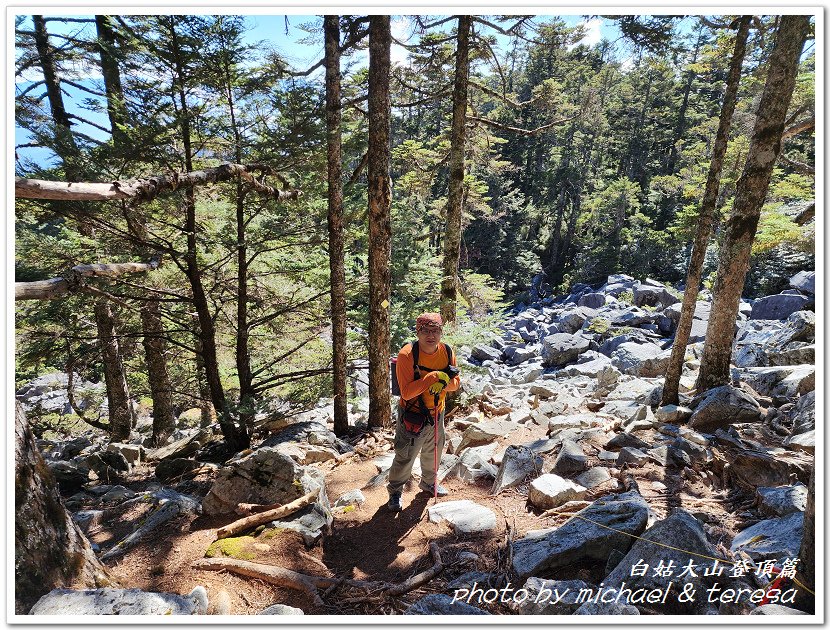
<point>443,381</point>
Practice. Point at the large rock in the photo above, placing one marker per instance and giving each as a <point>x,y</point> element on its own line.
<point>647,359</point>
<point>804,281</point>
<point>264,476</point>
<point>183,448</point>
<point>803,415</point>
<point>440,604</point>
<point>805,442</point>
<point>724,406</point>
<point>592,300</point>
<point>571,459</point>
<point>776,538</point>
<point>653,295</point>
<point>549,597</point>
<point>782,500</point>
<point>465,517</point>
<point>594,477</point>
<point>571,319</point>
<point>550,491</point>
<point>680,531</point>
<point>608,524</point>
<point>516,355</point>
<point>751,469</point>
<point>483,352</point>
<point>779,306</point>
<point>116,601</point>
<point>485,433</point>
<point>563,348</point>
<point>518,463</point>
<point>784,381</point>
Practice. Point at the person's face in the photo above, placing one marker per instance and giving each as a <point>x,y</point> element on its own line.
<point>429,337</point>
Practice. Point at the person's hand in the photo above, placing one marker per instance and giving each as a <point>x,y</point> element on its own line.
<point>437,387</point>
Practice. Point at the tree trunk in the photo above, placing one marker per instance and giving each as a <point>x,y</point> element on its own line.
<point>452,237</point>
<point>118,394</point>
<point>160,388</point>
<point>380,226</point>
<point>208,415</point>
<point>764,149</point>
<point>65,145</point>
<point>680,128</point>
<point>705,217</point>
<point>237,438</point>
<point>116,109</point>
<point>49,549</point>
<point>335,222</point>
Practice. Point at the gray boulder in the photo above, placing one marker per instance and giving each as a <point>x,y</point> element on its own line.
<point>782,500</point>
<point>803,415</point>
<point>571,459</point>
<point>175,467</point>
<point>550,491</point>
<point>549,597</point>
<point>608,524</point>
<point>571,319</point>
<point>594,477</point>
<point>648,360</point>
<point>805,442</point>
<point>465,517</point>
<point>775,538</point>
<point>785,381</point>
<point>483,352</point>
<point>116,601</point>
<point>592,300</point>
<point>631,456</point>
<point>804,281</point>
<point>485,432</point>
<point>679,531</point>
<point>673,414</point>
<point>518,463</point>
<point>562,348</point>
<point>71,477</point>
<point>440,604</point>
<point>778,306</point>
<point>516,355</point>
<point>723,406</point>
<point>263,476</point>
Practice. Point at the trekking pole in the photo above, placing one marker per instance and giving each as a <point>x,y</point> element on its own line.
<point>435,449</point>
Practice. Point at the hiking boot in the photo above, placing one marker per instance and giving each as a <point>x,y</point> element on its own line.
<point>395,504</point>
<point>428,487</point>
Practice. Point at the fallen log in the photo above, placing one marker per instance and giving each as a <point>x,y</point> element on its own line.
<point>75,278</point>
<point>249,522</point>
<point>148,188</point>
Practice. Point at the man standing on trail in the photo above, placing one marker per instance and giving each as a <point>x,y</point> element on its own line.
<point>426,371</point>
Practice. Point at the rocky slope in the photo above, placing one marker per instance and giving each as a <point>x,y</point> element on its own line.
<point>656,509</point>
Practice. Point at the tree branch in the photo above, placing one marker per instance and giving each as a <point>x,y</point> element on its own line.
<point>524,132</point>
<point>74,280</point>
<point>149,188</point>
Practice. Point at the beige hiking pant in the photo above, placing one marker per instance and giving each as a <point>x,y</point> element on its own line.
<point>407,447</point>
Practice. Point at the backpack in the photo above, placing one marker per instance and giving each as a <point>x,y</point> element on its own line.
<point>415,420</point>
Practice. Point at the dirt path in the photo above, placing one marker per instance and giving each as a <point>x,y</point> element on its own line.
<point>369,542</point>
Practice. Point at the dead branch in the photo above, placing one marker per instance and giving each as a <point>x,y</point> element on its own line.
<point>798,167</point>
<point>249,522</point>
<point>74,280</point>
<point>420,579</point>
<point>147,189</point>
<point>519,130</point>
<point>246,509</point>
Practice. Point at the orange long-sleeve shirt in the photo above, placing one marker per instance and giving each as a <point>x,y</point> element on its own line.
<point>410,388</point>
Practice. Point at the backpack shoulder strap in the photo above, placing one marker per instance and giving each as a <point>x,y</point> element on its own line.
<point>449,353</point>
<point>415,359</point>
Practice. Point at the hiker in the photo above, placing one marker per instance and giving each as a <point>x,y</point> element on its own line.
<point>421,386</point>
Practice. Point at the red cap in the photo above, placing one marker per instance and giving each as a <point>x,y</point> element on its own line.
<point>429,320</point>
